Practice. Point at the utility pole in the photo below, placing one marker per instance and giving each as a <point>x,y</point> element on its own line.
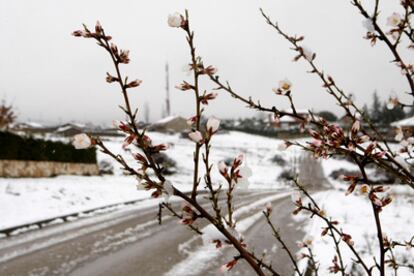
<point>167,88</point>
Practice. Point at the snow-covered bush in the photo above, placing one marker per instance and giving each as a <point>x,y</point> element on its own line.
<point>106,167</point>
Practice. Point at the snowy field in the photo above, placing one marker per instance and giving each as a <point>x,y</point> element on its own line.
<point>354,213</point>
<point>28,200</point>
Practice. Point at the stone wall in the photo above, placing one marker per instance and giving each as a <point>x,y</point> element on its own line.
<point>13,168</point>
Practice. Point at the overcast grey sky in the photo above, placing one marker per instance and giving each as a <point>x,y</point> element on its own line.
<point>51,76</point>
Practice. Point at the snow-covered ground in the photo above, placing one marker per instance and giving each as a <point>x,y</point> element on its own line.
<point>355,215</point>
<point>29,200</point>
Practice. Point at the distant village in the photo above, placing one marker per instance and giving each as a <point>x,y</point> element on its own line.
<point>285,127</point>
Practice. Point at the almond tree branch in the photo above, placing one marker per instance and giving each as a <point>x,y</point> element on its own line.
<point>175,214</point>
<point>148,150</point>
<point>386,40</point>
<point>343,100</point>
<point>376,211</point>
<point>190,40</point>
<point>207,178</point>
<point>400,172</point>
<point>316,211</point>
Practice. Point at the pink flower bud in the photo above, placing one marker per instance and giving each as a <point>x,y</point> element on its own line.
<point>268,207</point>
<point>356,126</point>
<point>191,121</point>
<point>296,197</point>
<point>124,56</point>
<point>110,78</point>
<point>175,20</point>
<point>184,86</point>
<point>228,266</point>
<point>209,70</point>
<point>134,83</point>
<point>222,167</point>
<point>240,158</point>
<point>196,136</point>
<point>128,140</point>
<point>78,33</point>
<point>98,27</point>
<point>213,124</point>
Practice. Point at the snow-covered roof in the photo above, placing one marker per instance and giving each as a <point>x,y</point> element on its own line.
<point>299,111</point>
<point>29,124</point>
<point>63,128</point>
<point>289,119</point>
<point>34,124</point>
<point>168,119</point>
<point>404,122</point>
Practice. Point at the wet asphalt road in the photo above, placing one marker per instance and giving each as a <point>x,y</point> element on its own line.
<point>130,242</point>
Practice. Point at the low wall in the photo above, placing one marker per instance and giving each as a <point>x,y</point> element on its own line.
<point>17,168</point>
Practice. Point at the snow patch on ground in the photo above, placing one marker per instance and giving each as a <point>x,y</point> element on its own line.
<point>354,212</point>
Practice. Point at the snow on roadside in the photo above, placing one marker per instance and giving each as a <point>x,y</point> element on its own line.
<point>354,212</point>
<point>27,200</point>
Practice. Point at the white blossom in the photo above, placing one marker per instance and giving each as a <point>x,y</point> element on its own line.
<point>399,134</point>
<point>285,85</point>
<point>308,240</point>
<point>404,143</point>
<point>81,141</point>
<point>222,167</point>
<point>356,126</point>
<point>213,124</point>
<point>307,53</point>
<point>196,136</point>
<point>365,138</point>
<point>394,20</point>
<point>245,172</point>
<point>175,20</point>
<point>364,189</point>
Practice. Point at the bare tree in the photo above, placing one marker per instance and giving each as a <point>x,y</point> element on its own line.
<point>7,116</point>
